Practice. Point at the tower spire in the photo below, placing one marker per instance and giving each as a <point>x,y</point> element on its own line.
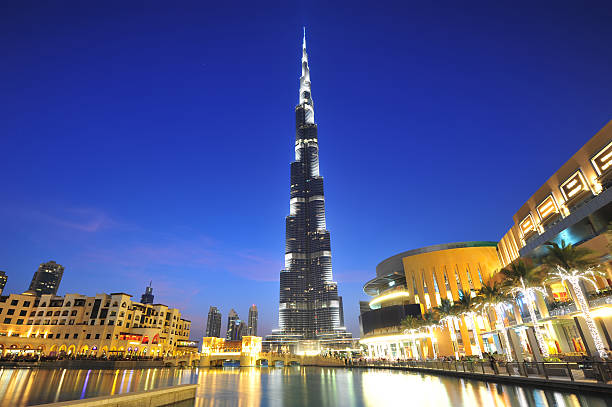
<point>305,91</point>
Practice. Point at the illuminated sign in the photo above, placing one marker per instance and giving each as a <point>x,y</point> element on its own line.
<point>574,185</point>
<point>527,226</point>
<point>547,207</point>
<point>602,161</point>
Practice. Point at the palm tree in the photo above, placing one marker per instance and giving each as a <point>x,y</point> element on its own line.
<point>492,297</point>
<point>573,264</point>
<point>527,281</point>
<point>430,321</point>
<point>466,306</point>
<point>411,326</point>
<point>448,314</point>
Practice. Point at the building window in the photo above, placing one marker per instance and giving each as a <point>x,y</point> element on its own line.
<point>75,336</point>
<point>11,311</point>
<point>26,303</point>
<point>88,336</point>
<point>30,322</point>
<point>73,313</point>
<point>7,320</point>
<point>14,302</point>
<point>20,322</point>
<point>57,336</point>
<point>23,313</point>
<point>32,314</point>
<point>66,336</point>
<point>119,323</point>
<point>40,313</point>
<point>97,336</point>
<point>49,313</point>
<point>65,313</point>
<point>71,322</point>
<point>108,336</point>
<point>56,313</point>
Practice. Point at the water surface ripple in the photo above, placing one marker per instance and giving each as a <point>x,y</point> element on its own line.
<point>280,387</point>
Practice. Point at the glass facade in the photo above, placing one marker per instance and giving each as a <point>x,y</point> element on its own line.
<point>309,304</point>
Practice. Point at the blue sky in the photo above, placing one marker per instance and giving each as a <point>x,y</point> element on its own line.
<point>152,141</point>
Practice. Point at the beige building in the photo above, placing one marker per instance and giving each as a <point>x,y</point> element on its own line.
<point>574,206</point>
<point>107,324</point>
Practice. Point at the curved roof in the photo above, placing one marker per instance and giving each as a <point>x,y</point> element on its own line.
<point>381,283</point>
<point>394,263</point>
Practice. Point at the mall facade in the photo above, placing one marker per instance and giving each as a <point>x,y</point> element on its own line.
<point>104,325</point>
<point>573,206</point>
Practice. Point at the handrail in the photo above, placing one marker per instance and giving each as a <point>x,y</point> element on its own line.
<point>581,371</point>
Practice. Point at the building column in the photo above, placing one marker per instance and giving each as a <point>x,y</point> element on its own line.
<point>587,338</point>
<point>515,344</point>
<point>533,344</point>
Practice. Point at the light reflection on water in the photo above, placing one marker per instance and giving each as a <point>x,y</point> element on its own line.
<point>282,387</point>
<point>311,386</point>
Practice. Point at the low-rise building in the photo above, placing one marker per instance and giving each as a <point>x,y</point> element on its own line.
<point>104,325</point>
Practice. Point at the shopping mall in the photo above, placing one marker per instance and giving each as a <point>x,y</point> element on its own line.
<point>574,207</point>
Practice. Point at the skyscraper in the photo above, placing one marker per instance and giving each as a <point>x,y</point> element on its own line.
<point>232,317</point>
<point>147,297</point>
<point>3,279</point>
<point>213,324</point>
<point>47,278</point>
<point>309,307</point>
<point>252,329</point>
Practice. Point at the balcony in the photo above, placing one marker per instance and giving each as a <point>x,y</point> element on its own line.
<point>601,298</point>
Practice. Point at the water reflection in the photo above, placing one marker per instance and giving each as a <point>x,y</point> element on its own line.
<point>280,387</point>
<point>24,387</point>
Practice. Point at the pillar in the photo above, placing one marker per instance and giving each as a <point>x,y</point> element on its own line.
<point>515,344</point>
<point>533,343</point>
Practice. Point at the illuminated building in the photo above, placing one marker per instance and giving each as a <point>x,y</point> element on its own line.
<point>252,328</point>
<point>147,297</point>
<point>309,306</point>
<point>107,324</point>
<point>413,282</point>
<point>213,323</point>
<point>3,279</point>
<point>47,278</point>
<point>574,206</point>
<point>233,325</point>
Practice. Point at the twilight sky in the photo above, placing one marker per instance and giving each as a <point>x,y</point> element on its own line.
<point>152,141</point>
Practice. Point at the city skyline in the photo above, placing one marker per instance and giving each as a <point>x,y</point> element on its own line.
<point>146,173</point>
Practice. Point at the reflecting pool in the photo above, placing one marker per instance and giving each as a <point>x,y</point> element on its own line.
<point>291,386</point>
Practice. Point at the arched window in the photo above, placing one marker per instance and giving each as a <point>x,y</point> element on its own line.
<point>123,305</point>
<point>67,304</point>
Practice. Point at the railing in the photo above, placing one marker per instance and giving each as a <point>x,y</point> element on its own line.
<point>562,310</point>
<point>599,301</point>
<point>586,372</point>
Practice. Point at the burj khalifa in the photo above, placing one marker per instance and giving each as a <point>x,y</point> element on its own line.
<point>309,308</point>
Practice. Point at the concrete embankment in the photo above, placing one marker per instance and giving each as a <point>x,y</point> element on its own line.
<point>87,364</point>
<point>550,383</point>
<point>150,398</point>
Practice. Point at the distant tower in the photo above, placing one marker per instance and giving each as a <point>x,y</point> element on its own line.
<point>47,278</point>
<point>242,329</point>
<point>147,297</point>
<point>252,327</point>
<point>341,310</point>
<point>213,324</point>
<point>232,317</point>
<point>3,279</point>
